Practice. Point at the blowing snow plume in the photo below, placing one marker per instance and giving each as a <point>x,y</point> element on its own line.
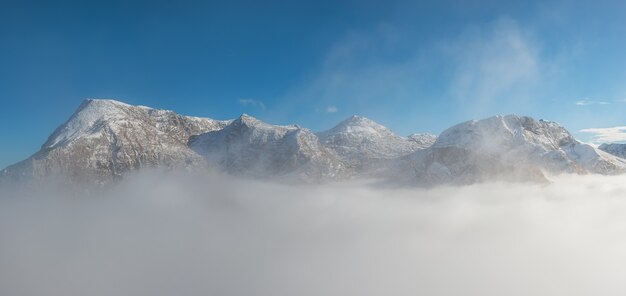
<point>169,234</point>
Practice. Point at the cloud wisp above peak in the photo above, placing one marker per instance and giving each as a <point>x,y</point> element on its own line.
<point>489,68</point>
<point>494,63</point>
<point>331,109</point>
<point>607,134</point>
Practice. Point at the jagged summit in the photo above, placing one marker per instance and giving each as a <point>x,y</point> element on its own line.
<point>249,121</point>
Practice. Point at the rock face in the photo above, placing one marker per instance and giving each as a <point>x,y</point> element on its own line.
<point>423,140</point>
<point>105,139</point>
<point>615,149</point>
<point>361,143</point>
<point>507,148</point>
<point>252,148</point>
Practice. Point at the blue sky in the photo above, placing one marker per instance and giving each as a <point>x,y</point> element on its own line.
<point>414,66</point>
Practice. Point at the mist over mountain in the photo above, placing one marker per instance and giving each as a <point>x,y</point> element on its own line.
<point>184,234</point>
<point>512,148</point>
<point>104,140</point>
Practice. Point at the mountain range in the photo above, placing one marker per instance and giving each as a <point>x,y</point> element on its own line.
<point>104,140</point>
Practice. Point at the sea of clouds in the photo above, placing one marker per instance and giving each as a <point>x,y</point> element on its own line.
<point>170,234</point>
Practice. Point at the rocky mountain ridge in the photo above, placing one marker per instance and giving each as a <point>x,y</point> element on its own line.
<point>106,139</point>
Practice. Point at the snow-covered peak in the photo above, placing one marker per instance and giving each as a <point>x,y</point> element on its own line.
<point>360,126</point>
<point>510,146</point>
<point>94,115</point>
<point>102,102</point>
<point>504,131</point>
<point>104,139</point>
<point>244,128</point>
<point>358,140</point>
<point>86,118</point>
<point>94,109</point>
<point>248,121</point>
<point>358,120</point>
<point>100,108</point>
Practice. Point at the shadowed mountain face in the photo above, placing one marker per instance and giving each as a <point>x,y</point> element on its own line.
<point>106,139</point>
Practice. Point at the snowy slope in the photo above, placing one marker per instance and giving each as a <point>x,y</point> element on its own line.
<point>511,148</point>
<point>252,148</point>
<point>105,139</point>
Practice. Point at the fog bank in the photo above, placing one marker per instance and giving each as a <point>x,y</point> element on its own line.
<point>180,235</point>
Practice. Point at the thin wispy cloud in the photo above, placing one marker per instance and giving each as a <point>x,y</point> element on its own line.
<point>607,135</point>
<point>480,69</point>
<point>354,71</point>
<point>252,103</point>
<point>494,63</point>
<point>331,109</point>
<point>587,102</point>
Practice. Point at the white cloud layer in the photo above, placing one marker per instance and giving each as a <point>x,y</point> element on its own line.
<point>162,235</point>
<point>607,135</point>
